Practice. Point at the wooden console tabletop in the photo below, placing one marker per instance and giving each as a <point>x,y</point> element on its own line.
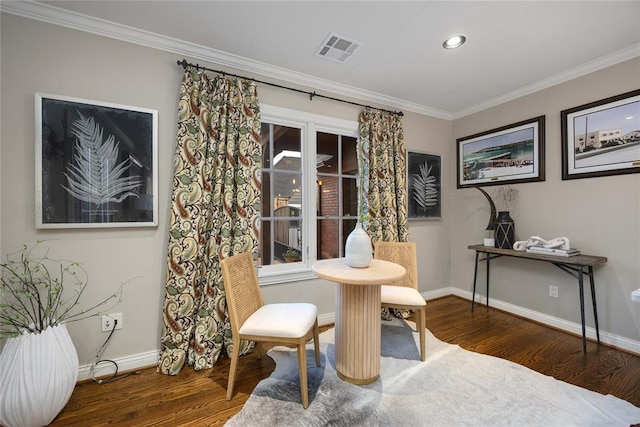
<point>573,265</point>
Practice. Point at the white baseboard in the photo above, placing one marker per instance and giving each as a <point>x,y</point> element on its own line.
<point>326,319</point>
<point>150,358</point>
<point>574,328</point>
<point>127,363</point>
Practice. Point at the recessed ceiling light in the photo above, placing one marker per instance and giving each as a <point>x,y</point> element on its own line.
<point>454,41</point>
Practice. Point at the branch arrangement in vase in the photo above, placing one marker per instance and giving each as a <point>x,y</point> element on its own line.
<point>506,197</point>
<point>32,292</point>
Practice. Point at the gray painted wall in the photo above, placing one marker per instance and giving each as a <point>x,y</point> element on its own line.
<point>601,216</point>
<point>39,57</point>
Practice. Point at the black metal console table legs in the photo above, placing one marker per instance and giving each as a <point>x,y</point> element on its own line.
<point>487,258</point>
<point>576,270</point>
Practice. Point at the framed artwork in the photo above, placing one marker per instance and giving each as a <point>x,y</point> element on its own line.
<point>506,155</point>
<point>96,164</point>
<point>424,182</point>
<point>602,138</point>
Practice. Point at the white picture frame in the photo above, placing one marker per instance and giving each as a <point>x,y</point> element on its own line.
<point>95,164</point>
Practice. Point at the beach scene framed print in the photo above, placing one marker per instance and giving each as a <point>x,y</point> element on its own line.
<point>602,138</point>
<point>506,155</point>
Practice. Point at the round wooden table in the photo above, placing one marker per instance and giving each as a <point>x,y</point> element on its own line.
<point>357,316</point>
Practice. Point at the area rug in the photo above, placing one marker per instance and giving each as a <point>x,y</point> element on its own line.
<point>453,387</point>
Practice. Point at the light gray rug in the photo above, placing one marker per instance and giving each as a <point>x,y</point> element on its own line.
<point>453,387</point>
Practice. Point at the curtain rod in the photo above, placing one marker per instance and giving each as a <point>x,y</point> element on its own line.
<point>185,64</point>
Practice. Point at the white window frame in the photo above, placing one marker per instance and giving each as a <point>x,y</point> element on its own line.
<point>309,124</point>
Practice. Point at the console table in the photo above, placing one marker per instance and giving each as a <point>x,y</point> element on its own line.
<point>577,266</point>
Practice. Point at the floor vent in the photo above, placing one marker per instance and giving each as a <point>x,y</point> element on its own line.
<point>338,48</point>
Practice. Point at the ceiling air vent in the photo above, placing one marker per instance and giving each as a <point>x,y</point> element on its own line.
<point>338,48</point>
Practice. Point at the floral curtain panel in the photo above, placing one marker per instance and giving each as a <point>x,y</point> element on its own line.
<point>382,173</point>
<point>382,169</point>
<point>214,214</point>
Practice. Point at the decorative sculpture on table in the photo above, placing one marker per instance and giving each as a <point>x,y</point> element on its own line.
<point>558,242</point>
<point>489,239</point>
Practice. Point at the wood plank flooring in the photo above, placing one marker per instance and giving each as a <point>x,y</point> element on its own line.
<point>198,398</point>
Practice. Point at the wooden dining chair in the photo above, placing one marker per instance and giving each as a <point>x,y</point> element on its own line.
<point>404,294</point>
<point>252,320</point>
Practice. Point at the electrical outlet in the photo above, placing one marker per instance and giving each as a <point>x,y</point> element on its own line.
<point>108,320</point>
<point>553,291</point>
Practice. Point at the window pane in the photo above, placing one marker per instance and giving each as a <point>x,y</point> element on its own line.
<point>287,234</point>
<point>264,246</point>
<point>266,194</point>
<point>327,153</point>
<point>349,156</point>
<point>328,196</point>
<point>349,197</point>
<point>286,148</point>
<point>287,189</point>
<point>264,142</point>
<point>328,240</point>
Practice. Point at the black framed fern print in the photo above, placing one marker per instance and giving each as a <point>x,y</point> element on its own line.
<point>96,164</point>
<point>424,181</point>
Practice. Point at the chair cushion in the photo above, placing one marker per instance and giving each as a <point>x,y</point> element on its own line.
<point>289,320</point>
<point>401,295</point>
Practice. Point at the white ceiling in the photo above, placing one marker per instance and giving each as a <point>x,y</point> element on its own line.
<point>513,47</point>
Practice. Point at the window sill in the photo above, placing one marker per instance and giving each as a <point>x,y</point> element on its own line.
<point>296,274</point>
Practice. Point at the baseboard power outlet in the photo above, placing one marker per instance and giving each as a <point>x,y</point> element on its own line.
<point>108,321</point>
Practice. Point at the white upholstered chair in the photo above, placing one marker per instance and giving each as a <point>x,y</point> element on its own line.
<point>404,294</point>
<point>252,320</point>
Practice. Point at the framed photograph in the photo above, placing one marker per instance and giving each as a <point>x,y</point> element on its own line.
<point>96,164</point>
<point>507,155</point>
<point>602,138</point>
<point>424,182</point>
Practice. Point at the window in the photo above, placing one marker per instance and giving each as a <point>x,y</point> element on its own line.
<point>309,194</point>
<point>337,193</point>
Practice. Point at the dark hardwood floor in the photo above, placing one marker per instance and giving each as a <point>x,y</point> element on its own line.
<point>198,398</point>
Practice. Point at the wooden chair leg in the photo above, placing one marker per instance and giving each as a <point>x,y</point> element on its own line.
<point>422,328</point>
<point>232,370</point>
<point>302,368</point>
<point>316,343</point>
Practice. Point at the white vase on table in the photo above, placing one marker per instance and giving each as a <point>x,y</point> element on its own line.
<point>358,250</point>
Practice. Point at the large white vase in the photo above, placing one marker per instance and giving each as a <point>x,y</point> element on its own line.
<point>38,374</point>
<point>357,251</point>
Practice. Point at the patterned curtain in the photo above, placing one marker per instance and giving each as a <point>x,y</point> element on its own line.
<point>382,174</point>
<point>215,210</point>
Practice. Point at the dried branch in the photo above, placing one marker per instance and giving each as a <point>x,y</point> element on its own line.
<point>31,292</point>
<point>507,196</point>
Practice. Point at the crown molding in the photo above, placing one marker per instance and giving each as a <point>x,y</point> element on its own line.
<point>54,15</point>
<point>584,69</point>
<point>76,21</point>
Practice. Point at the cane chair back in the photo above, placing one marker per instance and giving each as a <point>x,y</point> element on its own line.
<point>290,324</point>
